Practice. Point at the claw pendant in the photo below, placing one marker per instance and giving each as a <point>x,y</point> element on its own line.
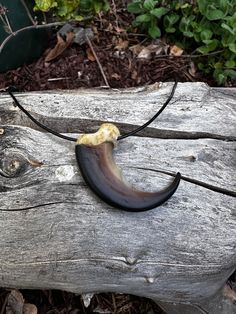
<point>94,154</point>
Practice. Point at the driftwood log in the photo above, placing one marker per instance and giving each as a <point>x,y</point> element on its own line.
<point>56,234</point>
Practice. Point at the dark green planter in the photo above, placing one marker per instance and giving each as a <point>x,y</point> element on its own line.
<point>25,43</point>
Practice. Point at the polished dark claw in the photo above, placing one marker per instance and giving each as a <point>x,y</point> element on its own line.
<point>94,153</point>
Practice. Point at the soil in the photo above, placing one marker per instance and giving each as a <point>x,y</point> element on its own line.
<point>117,47</point>
<point>61,302</point>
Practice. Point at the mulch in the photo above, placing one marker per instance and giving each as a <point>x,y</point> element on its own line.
<point>113,43</point>
<point>61,302</point>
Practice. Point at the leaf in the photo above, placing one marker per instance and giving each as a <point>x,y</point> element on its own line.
<point>197,37</point>
<point>45,5</point>
<point>176,51</point>
<point>146,52</point>
<point>213,15</point>
<point>149,4</point>
<point>100,5</point>
<point>222,4</point>
<point>136,49</point>
<point>232,47</point>
<point>143,18</point>
<point>220,78</point>
<point>116,76</point>
<point>159,12</point>
<point>97,6</point>
<point>185,25</point>
<point>122,44</point>
<point>173,18</point>
<point>170,29</point>
<point>227,39</point>
<point>15,302</point>
<point>90,54</point>
<point>206,34</point>
<point>135,7</point>
<point>106,6</point>
<point>188,34</point>
<point>154,31</point>
<point>60,46</point>
<point>202,5</point>
<point>78,18</point>
<point>119,30</point>
<point>231,64</point>
<point>67,9</point>
<point>201,66</point>
<point>211,45</point>
<point>30,309</point>
<point>231,73</point>
<point>169,21</point>
<point>225,26</point>
<point>218,65</point>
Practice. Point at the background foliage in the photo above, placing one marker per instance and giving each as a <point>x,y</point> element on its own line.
<point>201,26</point>
<point>204,27</point>
<point>72,9</point>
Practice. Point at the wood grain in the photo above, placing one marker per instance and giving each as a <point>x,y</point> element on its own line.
<point>54,233</point>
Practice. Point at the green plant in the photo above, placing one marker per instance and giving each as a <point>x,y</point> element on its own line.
<point>72,9</point>
<point>148,16</point>
<point>207,27</point>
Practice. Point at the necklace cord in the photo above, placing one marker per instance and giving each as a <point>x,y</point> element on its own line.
<point>121,137</point>
<point>42,126</point>
<point>140,128</point>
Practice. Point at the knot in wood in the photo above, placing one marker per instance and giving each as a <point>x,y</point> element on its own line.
<point>12,164</point>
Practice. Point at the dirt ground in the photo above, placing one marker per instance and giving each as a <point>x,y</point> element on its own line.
<point>61,302</point>
<point>126,58</point>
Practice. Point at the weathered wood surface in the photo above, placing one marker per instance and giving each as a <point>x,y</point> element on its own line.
<point>54,233</point>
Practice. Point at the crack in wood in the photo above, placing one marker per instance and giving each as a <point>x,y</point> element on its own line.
<point>77,125</point>
<point>30,207</point>
<point>119,260</point>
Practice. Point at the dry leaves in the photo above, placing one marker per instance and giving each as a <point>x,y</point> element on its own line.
<point>229,293</point>
<point>90,54</point>
<point>60,46</point>
<point>116,76</point>
<point>176,51</point>
<point>122,44</point>
<point>147,52</point>
<point>16,304</point>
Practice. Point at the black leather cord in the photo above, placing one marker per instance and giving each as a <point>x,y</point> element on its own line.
<point>121,137</point>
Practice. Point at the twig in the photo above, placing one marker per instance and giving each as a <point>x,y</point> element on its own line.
<point>26,28</point>
<point>114,304</point>
<point>115,13</point>
<point>36,26</point>
<point>53,79</point>
<point>4,304</point>
<point>125,32</point>
<point>4,18</point>
<point>4,22</point>
<point>190,56</point>
<point>98,62</point>
<point>28,12</point>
